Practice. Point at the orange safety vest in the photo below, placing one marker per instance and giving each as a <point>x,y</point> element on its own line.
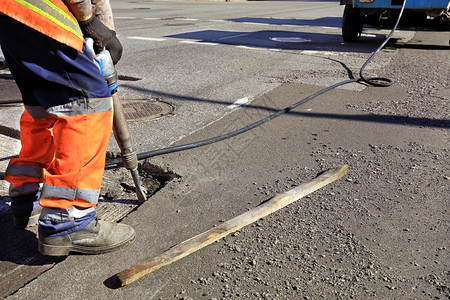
<point>50,17</point>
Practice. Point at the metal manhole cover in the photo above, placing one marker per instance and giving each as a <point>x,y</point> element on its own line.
<point>145,109</point>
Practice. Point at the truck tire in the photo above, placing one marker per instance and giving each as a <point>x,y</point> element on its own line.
<point>352,24</point>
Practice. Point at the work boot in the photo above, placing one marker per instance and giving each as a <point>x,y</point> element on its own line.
<point>96,238</point>
<point>26,218</point>
<point>25,209</point>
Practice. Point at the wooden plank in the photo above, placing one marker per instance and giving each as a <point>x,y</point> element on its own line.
<point>193,244</point>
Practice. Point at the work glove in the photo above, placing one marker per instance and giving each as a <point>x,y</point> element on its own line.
<point>103,37</point>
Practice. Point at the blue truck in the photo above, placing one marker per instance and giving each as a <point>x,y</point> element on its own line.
<point>384,14</point>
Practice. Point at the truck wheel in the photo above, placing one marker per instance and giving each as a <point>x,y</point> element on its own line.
<point>352,24</point>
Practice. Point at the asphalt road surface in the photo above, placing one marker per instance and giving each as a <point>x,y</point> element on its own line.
<point>203,57</point>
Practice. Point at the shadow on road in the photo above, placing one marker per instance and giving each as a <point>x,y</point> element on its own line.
<point>387,119</point>
<point>417,46</point>
<point>285,40</point>
<point>19,246</point>
<point>327,21</point>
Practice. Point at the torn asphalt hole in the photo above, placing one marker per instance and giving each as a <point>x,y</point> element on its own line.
<point>153,178</point>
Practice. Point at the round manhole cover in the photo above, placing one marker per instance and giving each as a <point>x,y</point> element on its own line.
<point>146,109</point>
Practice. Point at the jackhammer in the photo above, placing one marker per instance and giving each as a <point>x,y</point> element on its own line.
<point>120,128</point>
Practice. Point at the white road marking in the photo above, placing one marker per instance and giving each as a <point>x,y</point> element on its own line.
<point>239,102</point>
<point>368,35</point>
<point>198,43</point>
<point>289,39</point>
<point>315,52</point>
<point>146,38</point>
<point>233,36</point>
<point>258,48</point>
<point>255,23</point>
<point>152,18</point>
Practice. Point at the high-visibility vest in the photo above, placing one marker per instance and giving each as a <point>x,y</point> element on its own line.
<point>50,17</point>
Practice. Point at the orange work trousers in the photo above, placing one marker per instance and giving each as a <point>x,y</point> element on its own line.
<point>65,152</point>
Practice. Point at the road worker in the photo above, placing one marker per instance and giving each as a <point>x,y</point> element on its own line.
<point>56,178</point>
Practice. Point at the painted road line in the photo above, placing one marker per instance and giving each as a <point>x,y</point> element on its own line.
<point>146,38</point>
<point>368,35</point>
<point>198,43</point>
<point>288,39</point>
<point>239,102</point>
<point>254,23</point>
<point>152,18</point>
<point>233,36</point>
<point>318,52</point>
<point>258,48</point>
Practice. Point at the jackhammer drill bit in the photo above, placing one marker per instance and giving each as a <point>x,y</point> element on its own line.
<point>123,138</point>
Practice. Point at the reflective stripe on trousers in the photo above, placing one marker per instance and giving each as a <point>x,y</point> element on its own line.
<point>66,151</point>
